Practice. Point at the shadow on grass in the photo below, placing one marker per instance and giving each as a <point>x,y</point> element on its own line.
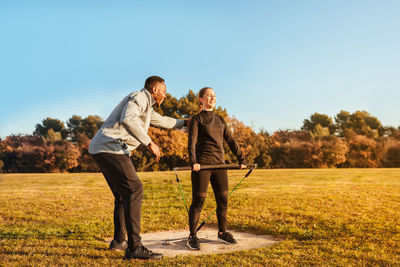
<point>281,232</point>
<point>23,253</point>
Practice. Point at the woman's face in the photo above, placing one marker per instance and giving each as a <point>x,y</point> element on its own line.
<point>208,100</point>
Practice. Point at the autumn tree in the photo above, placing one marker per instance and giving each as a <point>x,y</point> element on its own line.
<point>263,159</point>
<point>33,154</point>
<point>300,149</point>
<point>390,131</point>
<point>2,156</point>
<point>364,152</point>
<point>334,151</point>
<point>251,144</point>
<point>173,146</point>
<point>289,149</point>
<point>391,154</point>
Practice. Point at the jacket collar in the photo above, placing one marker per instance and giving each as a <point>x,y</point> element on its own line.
<point>149,96</point>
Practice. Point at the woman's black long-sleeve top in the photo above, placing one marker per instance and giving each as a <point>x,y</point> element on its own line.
<point>207,132</point>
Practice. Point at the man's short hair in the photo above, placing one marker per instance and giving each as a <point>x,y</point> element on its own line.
<point>151,81</point>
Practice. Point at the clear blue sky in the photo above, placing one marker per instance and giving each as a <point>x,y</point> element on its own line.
<point>272,63</point>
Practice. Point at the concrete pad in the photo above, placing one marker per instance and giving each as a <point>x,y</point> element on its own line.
<point>173,243</point>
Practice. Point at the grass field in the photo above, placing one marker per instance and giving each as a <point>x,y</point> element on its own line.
<point>328,217</point>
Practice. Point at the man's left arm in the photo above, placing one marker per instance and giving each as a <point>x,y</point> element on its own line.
<point>166,122</point>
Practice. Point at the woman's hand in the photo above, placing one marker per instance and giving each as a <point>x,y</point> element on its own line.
<point>242,166</point>
<point>196,167</point>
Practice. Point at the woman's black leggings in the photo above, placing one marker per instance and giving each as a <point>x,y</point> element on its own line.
<point>219,183</point>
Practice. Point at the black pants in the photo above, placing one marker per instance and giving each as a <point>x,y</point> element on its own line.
<point>219,183</point>
<point>127,189</point>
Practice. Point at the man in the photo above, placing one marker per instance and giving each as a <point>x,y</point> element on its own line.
<point>124,130</point>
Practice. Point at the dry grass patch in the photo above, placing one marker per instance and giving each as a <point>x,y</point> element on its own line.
<point>324,216</point>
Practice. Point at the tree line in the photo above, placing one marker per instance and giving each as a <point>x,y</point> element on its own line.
<point>355,139</point>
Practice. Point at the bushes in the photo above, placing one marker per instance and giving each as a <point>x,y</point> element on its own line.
<point>391,155</point>
<point>363,152</point>
<point>284,149</point>
<point>33,154</point>
<point>353,140</point>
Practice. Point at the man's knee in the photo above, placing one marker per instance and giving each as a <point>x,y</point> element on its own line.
<point>137,188</point>
<point>134,190</point>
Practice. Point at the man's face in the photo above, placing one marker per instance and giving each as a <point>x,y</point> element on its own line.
<point>159,92</point>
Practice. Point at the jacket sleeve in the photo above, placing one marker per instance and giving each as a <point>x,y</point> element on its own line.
<point>233,145</point>
<point>164,121</point>
<point>192,140</point>
<point>130,119</point>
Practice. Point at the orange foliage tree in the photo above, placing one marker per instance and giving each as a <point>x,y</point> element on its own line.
<point>364,152</point>
<point>33,154</point>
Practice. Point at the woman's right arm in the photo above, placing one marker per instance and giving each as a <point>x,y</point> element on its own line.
<point>192,141</point>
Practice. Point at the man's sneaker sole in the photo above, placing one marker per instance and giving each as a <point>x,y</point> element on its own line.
<point>116,249</point>
<point>192,248</point>
<point>226,242</point>
<point>118,246</point>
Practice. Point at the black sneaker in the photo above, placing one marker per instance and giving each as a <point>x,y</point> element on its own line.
<point>226,237</point>
<point>193,242</point>
<point>118,246</point>
<point>141,253</point>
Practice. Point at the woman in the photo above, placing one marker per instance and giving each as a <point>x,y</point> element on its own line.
<point>206,134</point>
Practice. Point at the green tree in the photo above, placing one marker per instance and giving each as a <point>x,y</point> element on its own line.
<point>87,126</point>
<point>342,122</point>
<point>48,124</point>
<point>361,122</point>
<point>319,125</point>
<point>51,136</point>
<point>189,104</point>
<point>169,108</point>
<point>184,107</point>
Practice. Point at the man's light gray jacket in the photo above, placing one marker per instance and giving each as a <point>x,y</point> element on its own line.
<point>126,127</point>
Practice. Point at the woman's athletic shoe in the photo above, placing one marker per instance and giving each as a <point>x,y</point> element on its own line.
<point>141,253</point>
<point>193,242</point>
<point>118,246</point>
<point>226,237</point>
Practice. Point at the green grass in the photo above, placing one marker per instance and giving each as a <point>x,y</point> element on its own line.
<point>325,217</point>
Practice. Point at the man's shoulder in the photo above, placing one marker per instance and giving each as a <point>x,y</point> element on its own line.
<point>141,96</point>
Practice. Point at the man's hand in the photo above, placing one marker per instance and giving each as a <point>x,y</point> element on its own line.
<point>196,167</point>
<point>242,166</point>
<point>155,150</point>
